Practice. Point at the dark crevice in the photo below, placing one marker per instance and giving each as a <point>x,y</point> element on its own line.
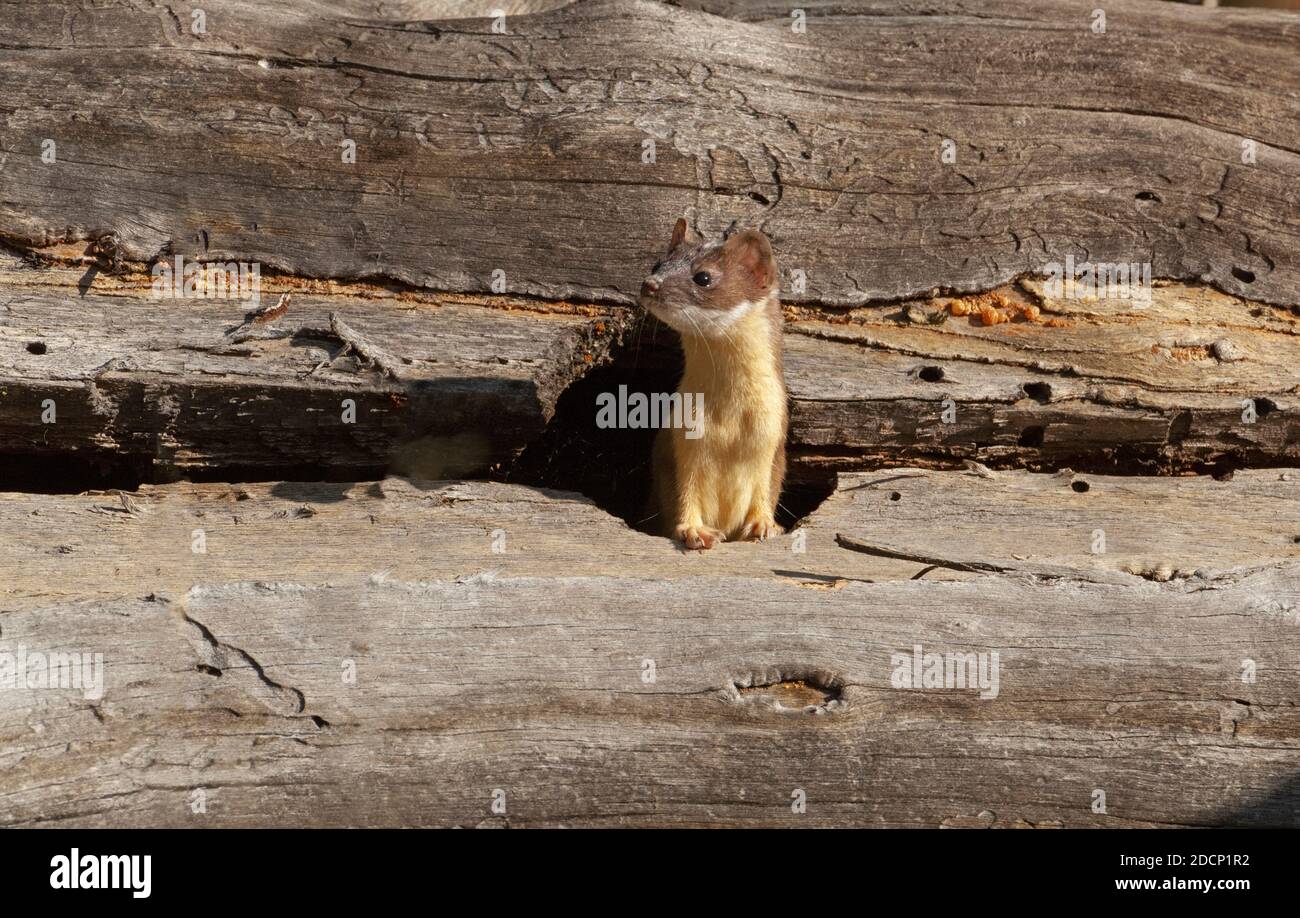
<point>1125,459</point>
<point>87,470</point>
<point>613,466</point>
<point>1180,427</point>
<point>75,472</point>
<point>1224,469</point>
<point>610,466</point>
<point>1040,392</point>
<point>1032,437</point>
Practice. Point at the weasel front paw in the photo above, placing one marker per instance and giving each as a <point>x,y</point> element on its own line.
<point>698,536</point>
<point>760,529</point>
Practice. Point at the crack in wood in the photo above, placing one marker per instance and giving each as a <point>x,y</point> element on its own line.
<point>812,175</point>
<point>216,657</point>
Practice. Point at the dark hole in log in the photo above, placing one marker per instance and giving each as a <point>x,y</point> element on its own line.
<point>1032,436</point>
<point>1180,427</point>
<point>1224,469</point>
<point>894,495</point>
<point>36,347</point>
<point>208,670</point>
<point>1241,274</point>
<point>1080,487</point>
<point>1264,407</point>
<point>1147,196</point>
<point>1040,392</point>
<point>613,466</point>
<point>931,374</point>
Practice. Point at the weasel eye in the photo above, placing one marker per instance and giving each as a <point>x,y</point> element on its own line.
<point>703,278</point>
<point>657,266</point>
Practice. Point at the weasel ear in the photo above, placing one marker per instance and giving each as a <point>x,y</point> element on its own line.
<point>682,233</point>
<point>751,253</point>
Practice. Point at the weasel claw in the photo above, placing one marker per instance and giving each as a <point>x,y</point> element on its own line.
<point>698,537</point>
<point>760,530</point>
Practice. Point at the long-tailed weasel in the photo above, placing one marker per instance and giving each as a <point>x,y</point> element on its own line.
<point>722,298</point>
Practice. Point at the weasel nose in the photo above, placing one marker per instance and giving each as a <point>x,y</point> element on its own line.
<point>650,286</point>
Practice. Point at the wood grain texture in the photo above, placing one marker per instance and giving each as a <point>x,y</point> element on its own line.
<point>88,545</point>
<point>400,652</point>
<point>187,386</point>
<point>522,152</point>
<point>1122,386</point>
<point>1126,386</point>
<point>522,671</point>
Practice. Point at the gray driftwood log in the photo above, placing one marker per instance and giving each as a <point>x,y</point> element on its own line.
<point>1169,138</point>
<point>360,380</point>
<point>1195,379</point>
<point>421,652</point>
<point>590,675</point>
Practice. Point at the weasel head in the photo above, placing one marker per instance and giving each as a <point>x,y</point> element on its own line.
<point>702,288</point>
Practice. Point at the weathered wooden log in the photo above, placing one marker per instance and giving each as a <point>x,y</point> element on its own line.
<point>1192,380</point>
<point>192,387</point>
<point>361,655</point>
<point>1173,141</point>
<point>1109,650</point>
